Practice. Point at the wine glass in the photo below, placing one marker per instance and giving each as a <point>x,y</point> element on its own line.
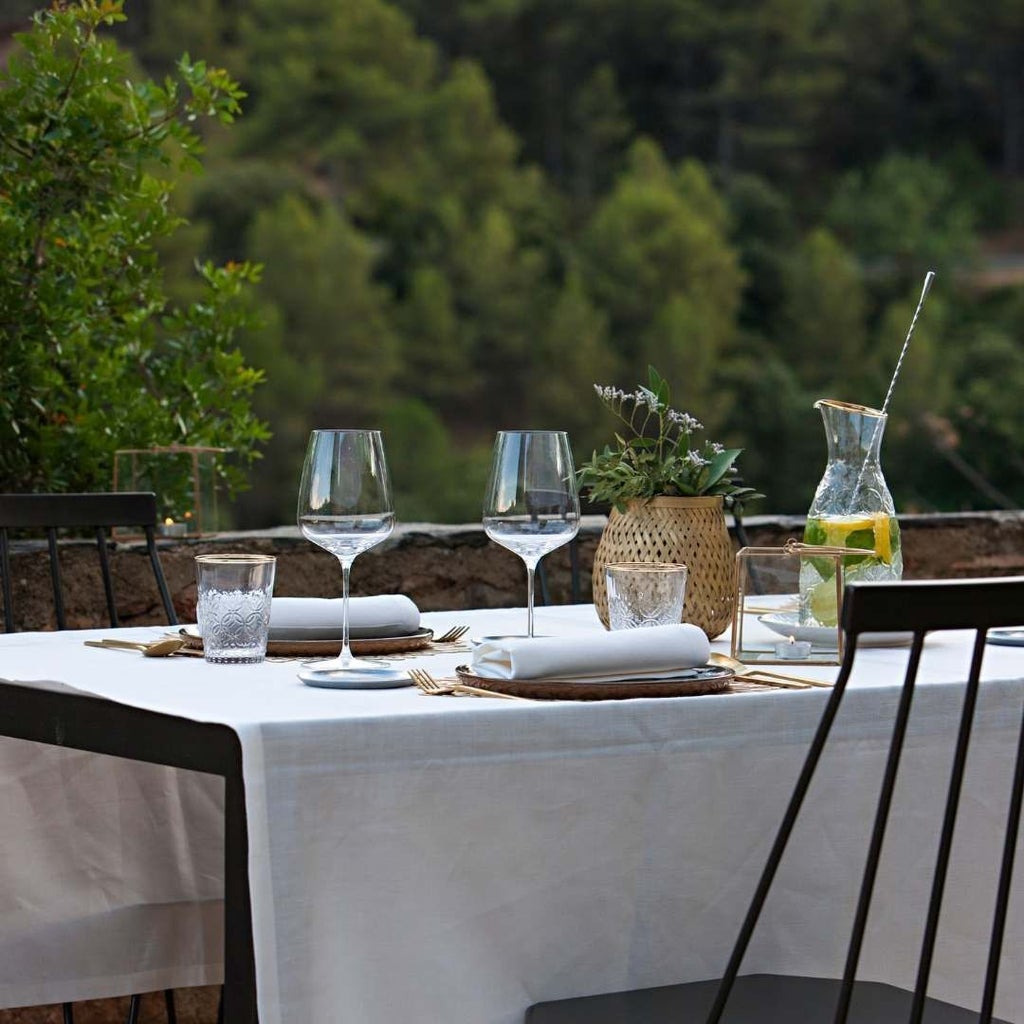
<point>531,506</point>
<point>345,507</point>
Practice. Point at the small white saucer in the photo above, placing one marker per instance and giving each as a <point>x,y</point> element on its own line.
<point>355,679</point>
<point>1006,637</point>
<point>826,637</point>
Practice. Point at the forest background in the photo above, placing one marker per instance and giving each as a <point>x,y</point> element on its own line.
<point>470,211</point>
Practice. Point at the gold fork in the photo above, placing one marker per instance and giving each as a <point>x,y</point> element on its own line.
<point>452,635</point>
<point>432,688</point>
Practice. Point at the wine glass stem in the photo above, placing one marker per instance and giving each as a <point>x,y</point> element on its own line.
<point>346,570</point>
<point>531,570</point>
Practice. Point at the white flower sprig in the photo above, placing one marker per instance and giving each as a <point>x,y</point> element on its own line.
<point>658,455</point>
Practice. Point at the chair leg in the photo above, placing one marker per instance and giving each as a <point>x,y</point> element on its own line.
<point>220,1007</point>
<point>172,1012</point>
<point>68,1013</point>
<point>133,1010</point>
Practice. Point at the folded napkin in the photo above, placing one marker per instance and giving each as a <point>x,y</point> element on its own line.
<point>657,652</point>
<point>319,618</point>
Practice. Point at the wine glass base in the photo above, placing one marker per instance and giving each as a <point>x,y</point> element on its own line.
<point>355,677</point>
<point>349,664</point>
<point>477,640</point>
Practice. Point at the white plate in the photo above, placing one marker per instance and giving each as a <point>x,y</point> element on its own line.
<point>1006,637</point>
<point>788,624</point>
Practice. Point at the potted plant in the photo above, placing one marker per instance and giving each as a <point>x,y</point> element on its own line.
<point>668,495</point>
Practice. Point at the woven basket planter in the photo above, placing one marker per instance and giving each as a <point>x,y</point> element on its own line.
<point>687,530</point>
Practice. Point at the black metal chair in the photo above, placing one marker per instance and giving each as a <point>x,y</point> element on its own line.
<point>919,607</point>
<point>99,512</point>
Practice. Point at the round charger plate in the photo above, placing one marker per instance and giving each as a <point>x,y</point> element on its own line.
<point>788,624</point>
<point>327,648</point>
<point>689,683</point>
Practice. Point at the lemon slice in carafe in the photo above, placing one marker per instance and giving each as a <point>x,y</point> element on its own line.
<point>822,602</point>
<point>839,530</point>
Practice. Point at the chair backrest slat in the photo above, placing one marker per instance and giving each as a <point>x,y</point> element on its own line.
<point>55,580</point>
<point>97,512</point>
<point>917,607</point>
<point>933,605</point>
<point>161,583</point>
<point>995,949</point>
<point>5,582</point>
<point>108,583</point>
<point>956,778</point>
<point>881,821</point>
<point>124,508</point>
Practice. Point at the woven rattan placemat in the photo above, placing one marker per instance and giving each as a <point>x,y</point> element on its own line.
<point>532,691</point>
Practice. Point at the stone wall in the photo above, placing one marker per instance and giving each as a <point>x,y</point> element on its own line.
<point>443,567</point>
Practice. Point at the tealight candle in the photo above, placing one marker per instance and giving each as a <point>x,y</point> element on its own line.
<point>793,649</point>
<point>169,528</point>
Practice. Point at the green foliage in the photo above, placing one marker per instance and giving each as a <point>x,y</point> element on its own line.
<point>904,216</point>
<point>95,357</point>
<point>328,342</point>
<point>824,315</point>
<point>656,456</point>
<point>334,316</point>
<point>409,258</point>
<point>659,262</point>
<point>773,413</point>
<point>435,480</point>
<point>574,339</point>
<point>471,209</point>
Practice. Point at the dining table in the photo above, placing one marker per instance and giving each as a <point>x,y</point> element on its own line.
<point>388,857</point>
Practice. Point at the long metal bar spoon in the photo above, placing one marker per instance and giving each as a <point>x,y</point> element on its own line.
<point>928,278</point>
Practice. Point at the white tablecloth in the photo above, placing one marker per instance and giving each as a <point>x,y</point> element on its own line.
<point>422,860</point>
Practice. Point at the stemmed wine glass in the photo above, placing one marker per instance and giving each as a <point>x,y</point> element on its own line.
<point>531,506</point>
<point>345,507</point>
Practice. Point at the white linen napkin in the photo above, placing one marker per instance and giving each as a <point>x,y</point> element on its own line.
<point>319,618</point>
<point>657,652</point>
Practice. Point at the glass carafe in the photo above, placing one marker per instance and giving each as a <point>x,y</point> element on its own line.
<point>852,509</point>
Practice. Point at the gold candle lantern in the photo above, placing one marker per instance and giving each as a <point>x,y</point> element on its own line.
<point>788,605</point>
<point>184,479</point>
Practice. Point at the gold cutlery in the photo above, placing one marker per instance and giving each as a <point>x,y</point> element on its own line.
<point>433,688</point>
<point>452,635</point>
<point>155,649</point>
<point>757,674</point>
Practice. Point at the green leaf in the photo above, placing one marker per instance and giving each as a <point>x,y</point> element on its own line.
<point>659,386</point>
<point>720,465</point>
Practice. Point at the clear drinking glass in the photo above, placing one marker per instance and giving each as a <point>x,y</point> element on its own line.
<point>233,609</point>
<point>531,506</point>
<point>644,594</point>
<point>345,507</point>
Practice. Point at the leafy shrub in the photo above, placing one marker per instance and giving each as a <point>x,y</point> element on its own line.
<point>95,355</point>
